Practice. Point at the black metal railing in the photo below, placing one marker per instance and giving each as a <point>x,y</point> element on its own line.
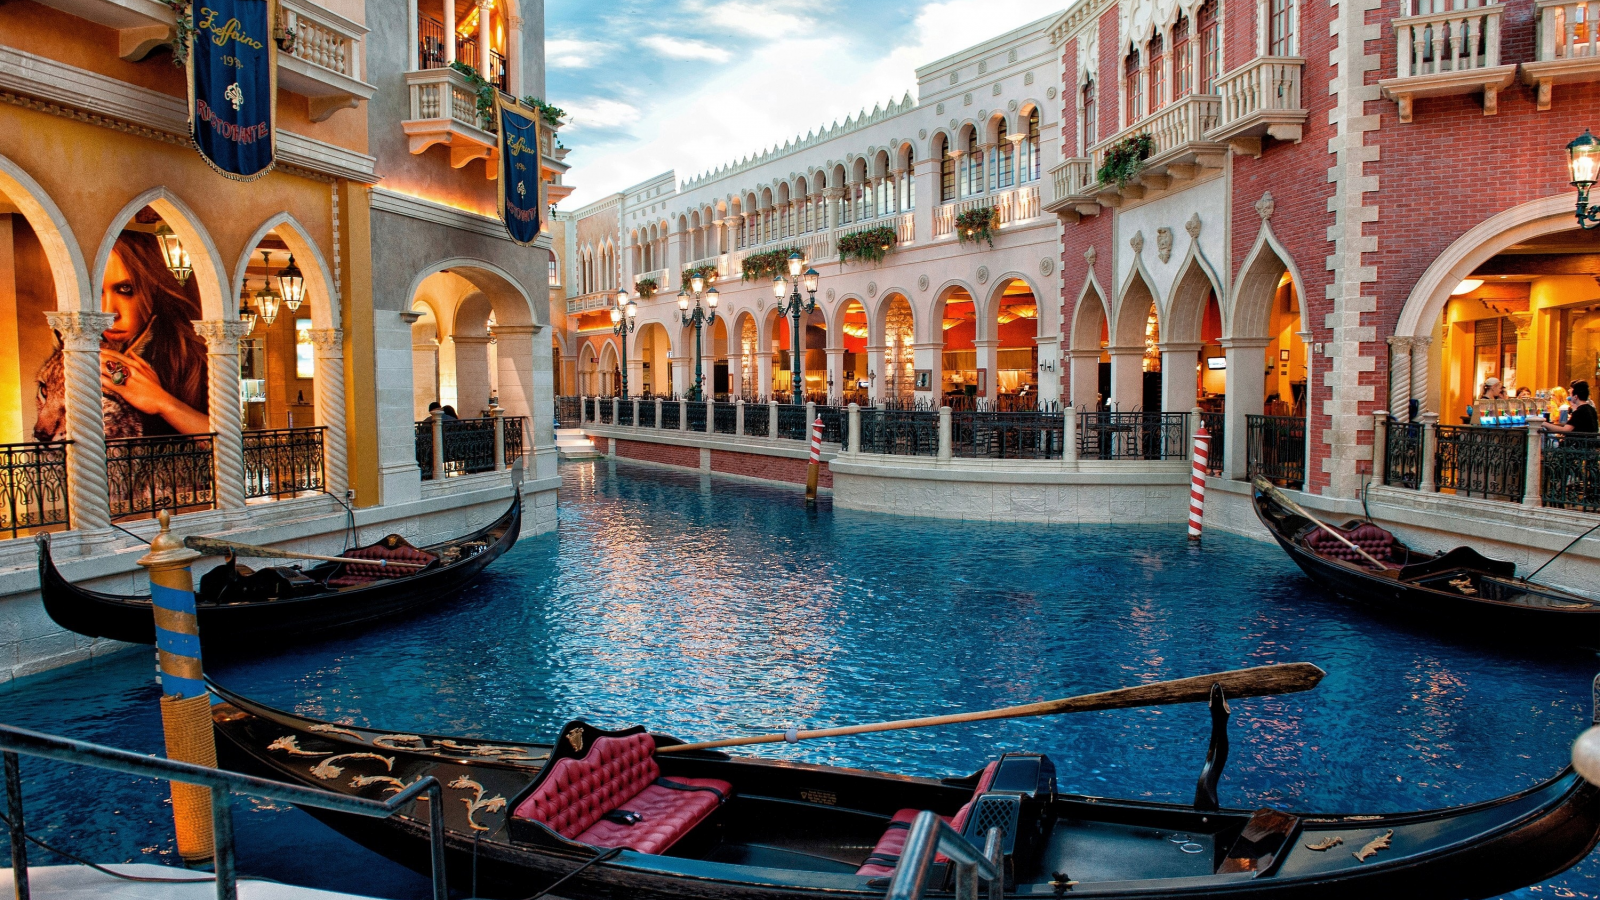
<point>725,418</point>
<point>625,411</point>
<point>515,431</point>
<point>283,462</point>
<point>835,420</point>
<point>33,486</point>
<point>468,446</point>
<point>792,424</point>
<point>1402,454</point>
<point>697,416</point>
<point>647,413</point>
<point>222,785</point>
<point>1216,424</point>
<point>147,474</point>
<point>1481,462</point>
<point>569,412</point>
<point>1570,472</point>
<point>1276,449</point>
<point>899,432</point>
<point>430,43</point>
<point>671,415</point>
<point>423,436</point>
<point>1007,435</point>
<point>605,417</point>
<point>1103,434</point>
<point>757,419</point>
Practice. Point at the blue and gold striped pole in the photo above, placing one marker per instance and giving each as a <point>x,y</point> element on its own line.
<point>185,702</point>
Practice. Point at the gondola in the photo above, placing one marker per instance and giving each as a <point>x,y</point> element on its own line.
<point>615,818</point>
<point>240,608</point>
<point>1461,590</point>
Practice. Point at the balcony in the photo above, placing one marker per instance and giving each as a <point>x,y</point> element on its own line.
<point>588,303</point>
<point>323,64</point>
<point>1183,149</point>
<point>1566,48</point>
<point>444,110</point>
<point>141,25</point>
<point>1018,205</point>
<point>1443,54</point>
<point>1070,181</point>
<point>1261,99</point>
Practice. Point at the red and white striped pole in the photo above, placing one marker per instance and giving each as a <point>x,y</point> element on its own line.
<point>816,460</point>
<point>1197,482</point>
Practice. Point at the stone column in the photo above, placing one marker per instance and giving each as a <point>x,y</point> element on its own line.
<point>1419,369</point>
<point>738,418</point>
<point>1533,481</point>
<point>1380,446</point>
<point>831,208</point>
<point>1127,378</point>
<point>485,39</point>
<point>875,369</point>
<point>772,420</point>
<point>1430,446</point>
<point>1399,377</point>
<point>222,400</point>
<point>1049,371</point>
<point>763,363</point>
<point>436,420</point>
<point>449,34</point>
<point>329,397</point>
<point>1179,379</point>
<point>514,56</point>
<point>853,439</point>
<point>89,496</point>
<point>988,353</point>
<point>472,373</point>
<point>944,434</point>
<point>735,371</point>
<point>1084,376</point>
<point>930,357</point>
<point>924,185</point>
<point>498,416</point>
<point>1246,387</point>
<point>1069,435</point>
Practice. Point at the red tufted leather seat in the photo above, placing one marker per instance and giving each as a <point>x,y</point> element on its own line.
<point>1367,536</point>
<point>393,548</point>
<point>886,853</point>
<point>620,773</point>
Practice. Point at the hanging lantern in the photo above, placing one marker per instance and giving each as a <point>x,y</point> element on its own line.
<point>246,314</point>
<point>291,285</point>
<point>267,301</point>
<point>173,254</point>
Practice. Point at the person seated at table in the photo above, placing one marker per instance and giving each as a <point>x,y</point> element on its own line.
<point>1492,390</point>
<point>1583,419</point>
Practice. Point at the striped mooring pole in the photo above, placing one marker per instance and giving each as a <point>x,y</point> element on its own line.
<point>1197,482</point>
<point>815,467</point>
<point>185,701</point>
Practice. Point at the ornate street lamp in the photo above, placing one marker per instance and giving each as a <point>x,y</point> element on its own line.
<point>173,254</point>
<point>699,318</point>
<point>267,299</point>
<point>246,314</point>
<point>623,317</point>
<point>291,285</point>
<point>793,308</point>
<point>1583,162</point>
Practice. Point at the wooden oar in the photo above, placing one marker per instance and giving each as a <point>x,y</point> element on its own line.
<point>1260,681</point>
<point>1271,490</point>
<point>215,547</point>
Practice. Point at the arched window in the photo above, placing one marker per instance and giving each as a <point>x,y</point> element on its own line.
<point>974,159</point>
<point>1281,35</point>
<point>1133,108</point>
<point>1210,46</point>
<point>1005,157</point>
<point>555,270</point>
<point>1157,69</point>
<point>1032,165</point>
<point>1091,123</point>
<point>1182,59</point>
<point>908,194</point>
<point>947,171</point>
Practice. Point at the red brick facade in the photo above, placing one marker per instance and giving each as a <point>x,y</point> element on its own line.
<point>785,469</point>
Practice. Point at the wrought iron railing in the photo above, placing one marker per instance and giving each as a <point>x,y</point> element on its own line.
<point>697,416</point>
<point>604,403</point>
<point>423,436</point>
<point>468,446</point>
<point>1570,472</point>
<point>283,462</point>
<point>671,415</point>
<point>1402,455</point>
<point>515,432</point>
<point>725,418</point>
<point>792,424</point>
<point>835,420</point>
<point>33,486</point>
<point>625,411</point>
<point>147,474</point>
<point>1216,424</point>
<point>1276,449</point>
<point>1103,434</point>
<point>647,414</point>
<point>1481,462</point>
<point>899,432</point>
<point>757,419</point>
<point>569,411</point>
<point>1007,435</point>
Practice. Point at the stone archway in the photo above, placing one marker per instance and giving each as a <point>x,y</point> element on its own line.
<point>1135,330</point>
<point>1086,344</point>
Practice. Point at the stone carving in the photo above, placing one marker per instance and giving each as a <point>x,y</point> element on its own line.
<point>830,295</point>
<point>983,274</point>
<point>954,77</point>
<point>923,134</point>
<point>1090,255</point>
<point>1028,78</point>
<point>872,289</point>
<point>1164,243</point>
<point>1193,226</point>
<point>1046,266</point>
<point>922,282</point>
<point>966,99</point>
<point>1050,93</point>
<point>1012,106</point>
<point>1137,242</point>
<point>939,110</point>
<point>983,66</point>
<point>996,89</point>
<point>1011,56</point>
<point>952,124</point>
<point>1265,206</point>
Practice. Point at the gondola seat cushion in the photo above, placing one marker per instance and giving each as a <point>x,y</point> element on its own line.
<point>885,854</point>
<point>393,548</point>
<point>620,773</point>
<point>1367,536</point>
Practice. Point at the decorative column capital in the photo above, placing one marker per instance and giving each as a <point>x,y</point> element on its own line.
<point>1422,343</point>
<point>501,331</point>
<point>80,331</point>
<point>1400,342</point>
<point>327,339</point>
<point>222,336</point>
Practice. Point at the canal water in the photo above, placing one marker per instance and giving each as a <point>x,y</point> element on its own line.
<point>705,607</point>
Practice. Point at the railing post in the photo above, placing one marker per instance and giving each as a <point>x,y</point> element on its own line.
<point>1380,446</point>
<point>616,406</point>
<point>738,418</point>
<point>853,438</point>
<point>683,415</point>
<point>441,888</point>
<point>811,416</point>
<point>635,402</point>
<point>944,434</point>
<point>657,402</point>
<point>223,858</point>
<point>772,420</point>
<point>1430,444</point>
<point>499,436</point>
<point>438,444</point>
<point>711,416</point>
<point>1069,433</point>
<point>1533,481</point>
<point>19,844</point>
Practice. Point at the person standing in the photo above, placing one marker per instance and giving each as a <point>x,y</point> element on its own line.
<point>1583,419</point>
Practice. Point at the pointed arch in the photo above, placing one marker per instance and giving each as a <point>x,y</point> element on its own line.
<point>1090,316</point>
<point>217,298</point>
<point>320,293</point>
<point>74,291</point>
<point>1186,303</point>
<point>1132,309</point>
<point>1249,315</point>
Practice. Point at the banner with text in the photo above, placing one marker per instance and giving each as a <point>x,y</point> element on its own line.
<point>521,188</point>
<point>233,86</point>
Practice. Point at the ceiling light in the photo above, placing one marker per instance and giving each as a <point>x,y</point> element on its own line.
<point>1468,286</point>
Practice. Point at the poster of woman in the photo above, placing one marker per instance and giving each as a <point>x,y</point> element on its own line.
<point>152,363</point>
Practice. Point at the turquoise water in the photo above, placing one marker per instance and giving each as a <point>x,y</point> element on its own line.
<point>705,607</point>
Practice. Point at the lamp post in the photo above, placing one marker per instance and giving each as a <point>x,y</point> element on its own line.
<point>623,321</point>
<point>1583,163</point>
<point>793,307</point>
<point>700,317</point>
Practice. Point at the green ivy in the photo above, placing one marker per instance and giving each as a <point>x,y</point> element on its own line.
<point>183,31</point>
<point>646,288</point>
<point>763,266</point>
<point>552,115</point>
<point>707,271</point>
<point>871,244</point>
<point>485,92</point>
<point>1125,158</point>
<point>978,225</point>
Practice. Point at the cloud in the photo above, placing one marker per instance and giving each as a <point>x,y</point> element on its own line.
<point>565,53</point>
<point>599,112</point>
<point>762,20</point>
<point>685,48</point>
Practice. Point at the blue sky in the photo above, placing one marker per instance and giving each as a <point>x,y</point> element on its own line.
<point>651,85</point>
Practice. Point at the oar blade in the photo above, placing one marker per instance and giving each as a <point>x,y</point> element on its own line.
<point>1260,681</point>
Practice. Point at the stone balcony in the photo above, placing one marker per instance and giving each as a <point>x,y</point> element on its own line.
<point>1014,205</point>
<point>444,110</point>
<point>1260,99</point>
<point>595,302</point>
<point>1566,49</point>
<point>1070,184</point>
<point>323,63</point>
<point>1441,54</point>
<point>1184,150</point>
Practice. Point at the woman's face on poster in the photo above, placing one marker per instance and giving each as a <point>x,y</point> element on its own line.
<point>119,295</point>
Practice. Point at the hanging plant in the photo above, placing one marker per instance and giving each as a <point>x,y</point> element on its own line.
<point>646,288</point>
<point>763,266</point>
<point>871,244</point>
<point>552,115</point>
<point>182,31</point>
<point>1125,158</point>
<point>707,271</point>
<point>484,90</point>
<point>978,225</point>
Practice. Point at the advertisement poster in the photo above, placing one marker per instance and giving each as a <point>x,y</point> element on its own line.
<point>521,188</point>
<point>233,86</point>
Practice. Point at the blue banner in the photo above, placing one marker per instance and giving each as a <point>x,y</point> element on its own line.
<point>521,187</point>
<point>233,86</point>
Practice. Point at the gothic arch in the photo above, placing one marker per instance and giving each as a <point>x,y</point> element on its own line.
<point>308,256</point>
<point>61,248</point>
<point>1250,313</point>
<point>1186,299</point>
<point>1132,309</point>
<point>217,299</point>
